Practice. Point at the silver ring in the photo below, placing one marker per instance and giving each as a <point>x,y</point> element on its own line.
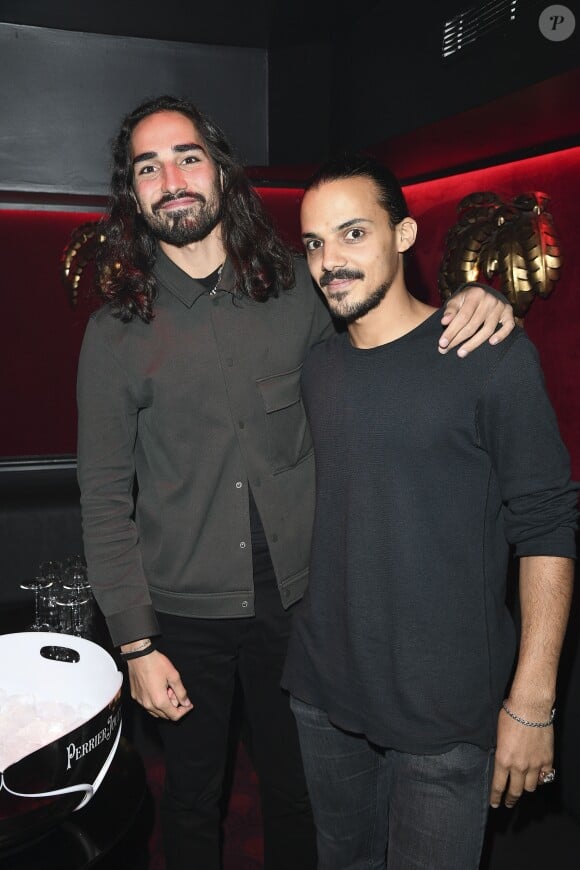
<point>546,776</point>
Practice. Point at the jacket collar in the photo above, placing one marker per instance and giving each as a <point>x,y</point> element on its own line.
<point>187,289</point>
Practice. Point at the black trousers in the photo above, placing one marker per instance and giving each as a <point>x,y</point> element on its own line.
<point>209,654</point>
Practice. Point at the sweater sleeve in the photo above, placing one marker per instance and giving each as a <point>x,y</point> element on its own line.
<point>517,426</point>
<point>107,426</point>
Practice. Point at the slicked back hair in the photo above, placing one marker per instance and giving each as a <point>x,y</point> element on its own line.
<point>357,165</point>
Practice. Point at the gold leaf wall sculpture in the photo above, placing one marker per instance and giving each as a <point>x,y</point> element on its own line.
<point>80,249</point>
<point>514,243</point>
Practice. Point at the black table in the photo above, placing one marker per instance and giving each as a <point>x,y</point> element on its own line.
<point>111,831</point>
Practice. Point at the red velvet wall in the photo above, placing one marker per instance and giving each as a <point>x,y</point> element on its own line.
<point>552,323</point>
<point>40,333</point>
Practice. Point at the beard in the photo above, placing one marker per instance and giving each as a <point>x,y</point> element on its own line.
<point>190,224</point>
<point>351,311</point>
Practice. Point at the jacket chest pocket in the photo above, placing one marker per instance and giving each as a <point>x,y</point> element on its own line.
<point>289,440</point>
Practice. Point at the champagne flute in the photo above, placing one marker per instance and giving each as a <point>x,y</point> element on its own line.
<point>51,569</point>
<point>72,605</point>
<point>75,582</point>
<point>36,585</point>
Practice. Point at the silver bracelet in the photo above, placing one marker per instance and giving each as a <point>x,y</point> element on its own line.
<point>145,647</point>
<point>530,724</point>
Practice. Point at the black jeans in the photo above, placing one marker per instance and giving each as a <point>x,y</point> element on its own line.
<point>208,653</point>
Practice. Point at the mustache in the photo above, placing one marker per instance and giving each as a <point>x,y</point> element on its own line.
<point>340,274</point>
<point>173,197</point>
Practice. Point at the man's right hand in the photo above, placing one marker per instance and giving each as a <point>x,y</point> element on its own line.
<point>157,686</point>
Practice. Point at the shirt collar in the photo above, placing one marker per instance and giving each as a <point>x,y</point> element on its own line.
<point>187,289</point>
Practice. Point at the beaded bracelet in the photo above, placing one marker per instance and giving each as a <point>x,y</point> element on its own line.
<point>138,652</point>
<point>530,724</point>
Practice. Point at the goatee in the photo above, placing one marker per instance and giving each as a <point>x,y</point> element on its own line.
<point>349,312</point>
<point>190,224</point>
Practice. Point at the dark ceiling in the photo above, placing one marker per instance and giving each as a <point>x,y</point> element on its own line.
<point>246,23</point>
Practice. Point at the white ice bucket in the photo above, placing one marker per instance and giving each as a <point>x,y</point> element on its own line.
<point>44,786</point>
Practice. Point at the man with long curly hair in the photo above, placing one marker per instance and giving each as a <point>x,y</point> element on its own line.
<point>196,467</point>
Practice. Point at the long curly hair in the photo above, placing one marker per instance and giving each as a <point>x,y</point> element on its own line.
<point>262,264</point>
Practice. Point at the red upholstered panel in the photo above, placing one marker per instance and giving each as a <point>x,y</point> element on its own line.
<point>40,333</point>
<point>552,323</point>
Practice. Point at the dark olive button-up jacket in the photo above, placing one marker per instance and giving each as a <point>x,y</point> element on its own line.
<point>195,407</point>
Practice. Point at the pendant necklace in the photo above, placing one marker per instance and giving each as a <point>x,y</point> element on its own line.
<point>213,291</point>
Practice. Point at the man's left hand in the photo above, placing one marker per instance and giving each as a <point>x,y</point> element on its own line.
<point>471,318</point>
<point>520,755</point>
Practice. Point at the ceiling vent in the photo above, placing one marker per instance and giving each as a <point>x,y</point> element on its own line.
<point>461,31</point>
